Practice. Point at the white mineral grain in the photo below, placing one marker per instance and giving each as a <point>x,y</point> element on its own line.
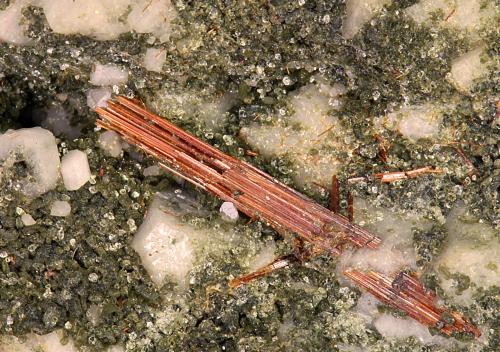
<point>108,75</point>
<point>414,122</point>
<point>27,220</point>
<point>313,125</point>
<point>98,97</point>
<point>38,149</point>
<point>420,122</point>
<point>171,248</point>
<point>52,343</point>
<point>111,143</point>
<point>229,212</point>
<point>60,208</point>
<point>99,19</point>
<point>164,244</point>
<point>266,256</point>
<point>285,328</point>
<point>94,313</point>
<point>152,16</point>
<point>468,68</point>
<point>211,112</point>
<point>154,59</point>
<point>11,27</point>
<point>95,18</point>
<point>366,307</point>
<point>397,328</point>
<point>359,12</point>
<point>107,19</point>
<point>115,348</point>
<point>75,169</point>
<point>396,252</point>
<point>465,15</point>
<point>472,249</point>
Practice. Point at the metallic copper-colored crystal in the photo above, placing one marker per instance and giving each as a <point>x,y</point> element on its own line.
<point>334,196</point>
<point>278,263</point>
<point>386,177</point>
<point>252,191</point>
<point>408,294</point>
<point>261,197</point>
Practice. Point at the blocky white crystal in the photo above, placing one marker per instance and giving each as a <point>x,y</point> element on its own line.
<point>229,211</point>
<point>111,143</point>
<point>37,147</point>
<point>107,75</point>
<point>75,169</point>
<point>60,208</point>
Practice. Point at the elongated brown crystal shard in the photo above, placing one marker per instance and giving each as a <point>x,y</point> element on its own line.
<point>252,191</point>
<point>408,294</point>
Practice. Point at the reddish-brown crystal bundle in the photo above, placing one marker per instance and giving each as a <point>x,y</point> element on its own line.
<point>408,294</point>
<point>261,197</point>
<point>252,191</point>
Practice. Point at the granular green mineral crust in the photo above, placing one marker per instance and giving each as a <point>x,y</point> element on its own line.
<point>80,274</point>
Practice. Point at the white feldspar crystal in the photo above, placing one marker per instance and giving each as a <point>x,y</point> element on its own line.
<point>466,15</point>
<point>95,18</point>
<point>467,68</point>
<point>420,122</point>
<point>75,169</point>
<point>391,327</point>
<point>396,252</point>
<point>111,143</point>
<point>43,343</point>
<point>60,208</point>
<point>27,220</point>
<point>98,97</point>
<point>11,28</point>
<point>212,112</point>
<point>107,19</point>
<point>152,16</point>
<point>165,245</point>
<point>359,12</point>
<point>171,248</point>
<point>229,212</point>
<point>414,122</point>
<point>309,128</point>
<point>311,104</point>
<point>366,307</point>
<point>154,59</point>
<point>264,257</point>
<point>107,75</point>
<point>472,249</point>
<point>99,19</point>
<point>37,147</point>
